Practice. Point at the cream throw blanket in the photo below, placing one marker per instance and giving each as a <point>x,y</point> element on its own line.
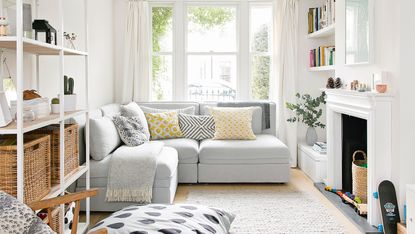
<point>131,173</point>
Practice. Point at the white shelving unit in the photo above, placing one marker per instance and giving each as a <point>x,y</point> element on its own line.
<point>23,46</point>
<point>325,32</point>
<point>322,68</point>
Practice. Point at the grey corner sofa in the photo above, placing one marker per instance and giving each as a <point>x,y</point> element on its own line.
<point>264,160</point>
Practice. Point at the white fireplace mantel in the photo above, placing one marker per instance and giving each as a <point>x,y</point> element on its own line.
<point>377,110</point>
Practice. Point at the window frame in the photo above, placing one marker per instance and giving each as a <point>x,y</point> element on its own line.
<point>243,52</point>
<point>252,54</point>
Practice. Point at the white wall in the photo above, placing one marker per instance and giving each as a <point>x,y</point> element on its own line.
<point>406,96</point>
<point>101,53</point>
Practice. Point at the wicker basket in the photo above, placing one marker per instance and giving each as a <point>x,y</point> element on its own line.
<point>36,166</point>
<point>71,149</point>
<point>359,176</point>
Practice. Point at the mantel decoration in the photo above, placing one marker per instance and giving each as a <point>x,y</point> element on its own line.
<point>308,111</point>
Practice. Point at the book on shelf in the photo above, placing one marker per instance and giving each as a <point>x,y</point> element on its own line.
<point>322,56</point>
<point>320,147</point>
<point>321,17</point>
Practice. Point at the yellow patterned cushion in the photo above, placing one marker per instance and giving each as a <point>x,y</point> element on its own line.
<point>163,125</point>
<point>233,123</point>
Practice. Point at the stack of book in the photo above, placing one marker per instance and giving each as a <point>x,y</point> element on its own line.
<point>320,147</point>
<point>322,56</point>
<point>321,17</point>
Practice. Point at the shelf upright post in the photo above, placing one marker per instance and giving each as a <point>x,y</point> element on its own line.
<point>87,149</point>
<point>19,92</point>
<point>61,111</point>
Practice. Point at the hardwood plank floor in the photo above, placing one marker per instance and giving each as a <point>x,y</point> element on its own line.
<point>298,180</point>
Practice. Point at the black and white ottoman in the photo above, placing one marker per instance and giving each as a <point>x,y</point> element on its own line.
<point>167,219</point>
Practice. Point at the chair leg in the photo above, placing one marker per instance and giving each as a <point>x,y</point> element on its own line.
<point>50,219</point>
<point>76,217</point>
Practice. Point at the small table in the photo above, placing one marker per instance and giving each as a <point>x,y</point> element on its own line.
<point>312,163</point>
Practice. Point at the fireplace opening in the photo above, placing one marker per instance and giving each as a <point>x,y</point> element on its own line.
<point>354,138</point>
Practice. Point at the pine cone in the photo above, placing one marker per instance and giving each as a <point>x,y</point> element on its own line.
<point>338,83</point>
<point>330,83</point>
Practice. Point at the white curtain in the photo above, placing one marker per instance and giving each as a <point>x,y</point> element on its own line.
<point>285,67</point>
<point>136,71</point>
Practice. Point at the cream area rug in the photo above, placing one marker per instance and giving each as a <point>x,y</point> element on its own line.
<point>282,209</point>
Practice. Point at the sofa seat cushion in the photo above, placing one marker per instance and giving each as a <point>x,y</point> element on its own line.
<point>187,149</point>
<point>166,168</point>
<point>263,150</point>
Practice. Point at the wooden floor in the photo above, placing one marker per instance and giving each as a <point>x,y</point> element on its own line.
<point>298,180</point>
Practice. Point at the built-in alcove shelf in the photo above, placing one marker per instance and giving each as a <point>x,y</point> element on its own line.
<point>322,68</point>
<point>325,32</point>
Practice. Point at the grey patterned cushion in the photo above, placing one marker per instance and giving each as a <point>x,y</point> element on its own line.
<point>130,129</point>
<point>16,217</point>
<point>197,127</point>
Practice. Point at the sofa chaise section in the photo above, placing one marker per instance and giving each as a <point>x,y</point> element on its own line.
<point>264,160</point>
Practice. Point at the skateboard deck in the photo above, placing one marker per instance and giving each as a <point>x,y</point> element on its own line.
<point>389,207</point>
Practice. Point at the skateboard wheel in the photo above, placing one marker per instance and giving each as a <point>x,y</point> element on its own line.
<point>376,195</point>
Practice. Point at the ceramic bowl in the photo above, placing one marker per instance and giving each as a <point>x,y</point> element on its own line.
<point>381,88</point>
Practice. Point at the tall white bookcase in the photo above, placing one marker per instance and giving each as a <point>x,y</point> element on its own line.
<point>22,47</point>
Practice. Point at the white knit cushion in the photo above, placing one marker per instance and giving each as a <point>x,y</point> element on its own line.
<point>130,130</point>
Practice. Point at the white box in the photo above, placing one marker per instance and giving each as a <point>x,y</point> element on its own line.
<point>312,163</point>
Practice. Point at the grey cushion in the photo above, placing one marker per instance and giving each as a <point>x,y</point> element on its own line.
<point>131,130</point>
<point>256,116</point>
<point>132,109</point>
<point>16,217</point>
<point>167,162</point>
<point>197,127</point>
<point>187,149</point>
<point>265,149</point>
<point>103,137</point>
<point>188,110</point>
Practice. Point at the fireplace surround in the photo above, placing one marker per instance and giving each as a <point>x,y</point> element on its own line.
<point>376,110</point>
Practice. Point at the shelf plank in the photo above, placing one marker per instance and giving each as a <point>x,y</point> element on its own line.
<point>82,228</point>
<point>325,32</point>
<point>323,68</point>
<point>68,51</point>
<point>39,123</point>
<point>37,47</point>
<point>69,179</point>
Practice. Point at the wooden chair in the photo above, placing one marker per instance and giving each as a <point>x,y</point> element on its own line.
<point>49,204</point>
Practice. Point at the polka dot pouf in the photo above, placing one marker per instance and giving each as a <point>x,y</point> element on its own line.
<point>167,219</point>
<point>271,211</point>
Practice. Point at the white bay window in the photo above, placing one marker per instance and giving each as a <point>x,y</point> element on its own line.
<point>207,51</point>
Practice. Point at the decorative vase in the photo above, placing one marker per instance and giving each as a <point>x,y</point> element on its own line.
<point>311,136</point>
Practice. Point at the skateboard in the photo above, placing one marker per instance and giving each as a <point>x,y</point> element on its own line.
<point>389,207</point>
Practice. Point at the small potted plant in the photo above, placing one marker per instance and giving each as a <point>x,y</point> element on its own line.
<point>69,97</point>
<point>308,111</point>
<point>55,105</point>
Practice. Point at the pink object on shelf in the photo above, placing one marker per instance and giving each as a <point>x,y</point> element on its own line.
<point>381,88</point>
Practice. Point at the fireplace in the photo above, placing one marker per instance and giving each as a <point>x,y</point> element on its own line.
<point>359,121</point>
<point>354,131</point>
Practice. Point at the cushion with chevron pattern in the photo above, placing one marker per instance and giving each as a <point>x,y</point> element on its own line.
<point>197,127</point>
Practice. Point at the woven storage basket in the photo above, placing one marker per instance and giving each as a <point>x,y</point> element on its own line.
<point>36,166</point>
<point>359,176</point>
<point>71,149</point>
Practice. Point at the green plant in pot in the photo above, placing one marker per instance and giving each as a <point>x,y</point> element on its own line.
<point>308,111</point>
<point>70,97</point>
<point>55,105</point>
